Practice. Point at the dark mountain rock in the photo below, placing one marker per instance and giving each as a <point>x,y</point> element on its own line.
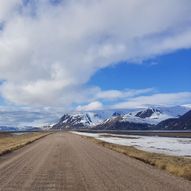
<point>181,123</point>
<point>147,113</point>
<point>68,121</point>
<point>116,123</point>
<point>115,114</point>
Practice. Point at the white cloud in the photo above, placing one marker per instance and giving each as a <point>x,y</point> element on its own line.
<point>187,105</point>
<point>6,8</point>
<point>96,105</point>
<point>46,58</point>
<point>165,99</point>
<point>121,94</point>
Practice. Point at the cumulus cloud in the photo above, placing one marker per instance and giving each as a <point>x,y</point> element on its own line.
<point>96,105</point>
<point>49,51</point>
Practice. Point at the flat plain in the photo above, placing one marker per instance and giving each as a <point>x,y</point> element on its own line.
<point>64,161</point>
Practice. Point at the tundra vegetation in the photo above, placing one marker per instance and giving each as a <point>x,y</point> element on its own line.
<point>179,166</point>
<point>10,142</point>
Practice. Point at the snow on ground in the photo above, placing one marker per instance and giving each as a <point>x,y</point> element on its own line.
<point>164,145</point>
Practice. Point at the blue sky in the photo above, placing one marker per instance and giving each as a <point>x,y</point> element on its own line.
<point>88,55</point>
<point>166,73</point>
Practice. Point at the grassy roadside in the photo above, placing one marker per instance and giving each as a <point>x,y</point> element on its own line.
<point>9,142</point>
<point>178,166</point>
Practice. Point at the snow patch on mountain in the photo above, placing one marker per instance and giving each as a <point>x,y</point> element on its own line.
<point>154,115</point>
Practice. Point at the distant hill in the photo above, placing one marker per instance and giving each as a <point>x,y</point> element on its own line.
<point>6,128</point>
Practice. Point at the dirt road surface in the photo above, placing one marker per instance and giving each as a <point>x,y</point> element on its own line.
<point>64,161</point>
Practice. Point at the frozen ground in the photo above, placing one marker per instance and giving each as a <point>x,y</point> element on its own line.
<point>165,145</point>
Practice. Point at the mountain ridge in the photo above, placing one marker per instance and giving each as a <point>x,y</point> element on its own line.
<point>120,119</point>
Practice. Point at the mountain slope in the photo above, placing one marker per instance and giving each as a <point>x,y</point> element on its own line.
<point>154,115</point>
<point>118,123</point>
<point>77,121</point>
<point>147,113</point>
<point>181,123</point>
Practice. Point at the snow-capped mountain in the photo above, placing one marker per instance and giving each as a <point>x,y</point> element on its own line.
<point>78,120</point>
<point>123,118</point>
<point>154,115</point>
<point>141,118</point>
<point>118,123</point>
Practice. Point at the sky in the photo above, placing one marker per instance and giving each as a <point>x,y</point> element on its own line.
<point>79,55</point>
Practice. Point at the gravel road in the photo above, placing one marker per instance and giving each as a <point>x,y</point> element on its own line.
<point>67,162</point>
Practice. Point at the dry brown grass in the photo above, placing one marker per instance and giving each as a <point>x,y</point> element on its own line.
<point>9,142</point>
<point>178,166</point>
